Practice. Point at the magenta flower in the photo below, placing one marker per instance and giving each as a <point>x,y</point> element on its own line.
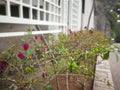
<point>21,55</point>
<point>43,49</point>
<point>3,66</point>
<point>70,31</point>
<point>35,37</point>
<point>26,46</point>
<point>85,27</point>
<point>44,75</point>
<point>41,38</point>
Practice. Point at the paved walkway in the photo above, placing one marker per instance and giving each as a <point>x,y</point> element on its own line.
<point>115,69</point>
<point>103,78</point>
<point>108,70</point>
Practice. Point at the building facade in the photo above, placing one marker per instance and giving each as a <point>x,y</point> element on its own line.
<point>49,15</point>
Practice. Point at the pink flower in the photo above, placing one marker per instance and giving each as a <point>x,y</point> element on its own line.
<point>3,66</point>
<point>44,75</point>
<point>43,49</point>
<point>26,46</point>
<point>35,37</point>
<point>41,38</point>
<point>21,55</point>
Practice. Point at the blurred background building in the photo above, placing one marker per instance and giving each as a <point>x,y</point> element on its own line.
<point>48,15</point>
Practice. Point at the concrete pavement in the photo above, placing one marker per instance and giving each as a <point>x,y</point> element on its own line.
<point>115,69</point>
<point>103,78</point>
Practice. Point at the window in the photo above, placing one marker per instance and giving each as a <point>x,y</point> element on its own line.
<point>25,12</point>
<point>2,7</point>
<point>47,16</point>
<point>59,2</point>
<point>34,3</point>
<point>26,1</point>
<point>83,6</point>
<point>14,9</point>
<point>41,4</point>
<point>52,8</point>
<point>47,6</point>
<point>34,11</point>
<point>41,15</point>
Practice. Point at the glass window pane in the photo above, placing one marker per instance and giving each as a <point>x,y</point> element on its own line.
<point>47,6</point>
<point>2,7</point>
<point>34,11</point>
<point>14,9</point>
<point>41,15</point>
<point>26,12</point>
<point>35,3</point>
<point>26,1</point>
<point>41,4</point>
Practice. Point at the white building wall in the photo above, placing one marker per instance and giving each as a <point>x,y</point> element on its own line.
<point>54,16</point>
<point>77,19</point>
<point>74,15</point>
<point>80,15</point>
<point>66,15</point>
<point>88,7</point>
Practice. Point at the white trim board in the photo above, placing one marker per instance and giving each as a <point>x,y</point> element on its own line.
<point>12,34</point>
<point>13,20</point>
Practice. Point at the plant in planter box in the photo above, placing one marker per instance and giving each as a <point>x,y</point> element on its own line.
<point>64,63</point>
<point>21,62</point>
<point>81,48</point>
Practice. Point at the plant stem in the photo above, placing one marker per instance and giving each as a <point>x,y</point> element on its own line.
<point>67,83</point>
<point>53,62</point>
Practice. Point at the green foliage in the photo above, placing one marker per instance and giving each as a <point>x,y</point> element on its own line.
<point>49,87</point>
<point>30,69</point>
<point>108,83</point>
<point>30,52</point>
<point>72,66</point>
<point>106,55</point>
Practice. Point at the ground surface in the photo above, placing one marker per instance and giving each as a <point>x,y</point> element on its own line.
<point>103,78</point>
<point>115,69</point>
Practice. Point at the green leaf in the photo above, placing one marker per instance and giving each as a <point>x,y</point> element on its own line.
<point>30,69</point>
<point>49,87</point>
<point>108,83</point>
<point>106,56</point>
<point>30,52</point>
<point>83,67</point>
<point>91,74</point>
<point>74,66</point>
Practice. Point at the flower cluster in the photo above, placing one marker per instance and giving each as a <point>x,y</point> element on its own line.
<point>21,55</point>
<point>3,66</point>
<point>72,32</point>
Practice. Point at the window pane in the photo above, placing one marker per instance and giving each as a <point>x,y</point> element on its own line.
<point>47,6</point>
<point>41,4</point>
<point>26,1</point>
<point>41,15</point>
<point>14,9</point>
<point>25,12</point>
<point>34,14</point>
<point>35,3</point>
<point>2,7</point>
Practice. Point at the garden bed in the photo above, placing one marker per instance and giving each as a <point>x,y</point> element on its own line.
<point>64,64</point>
